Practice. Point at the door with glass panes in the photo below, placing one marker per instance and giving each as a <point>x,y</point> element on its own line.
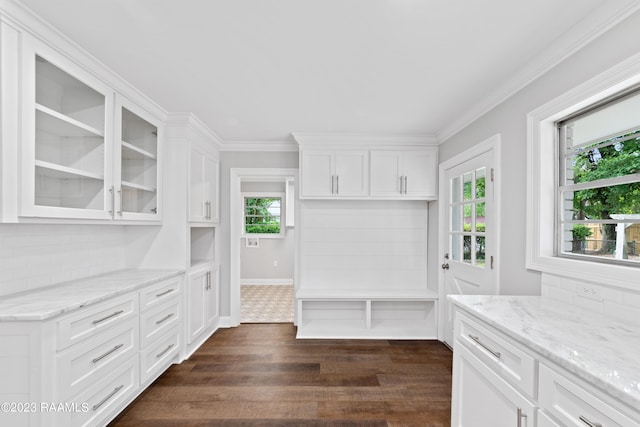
<point>468,261</point>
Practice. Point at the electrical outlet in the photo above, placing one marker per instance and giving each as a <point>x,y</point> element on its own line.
<point>590,291</point>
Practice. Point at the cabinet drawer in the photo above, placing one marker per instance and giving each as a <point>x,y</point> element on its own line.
<point>93,320</point>
<point>545,420</point>
<point>158,320</point>
<point>107,397</point>
<point>574,405</point>
<point>158,356</point>
<point>159,293</point>
<point>86,363</point>
<point>499,353</point>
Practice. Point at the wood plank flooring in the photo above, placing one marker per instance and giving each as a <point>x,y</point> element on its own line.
<point>260,375</point>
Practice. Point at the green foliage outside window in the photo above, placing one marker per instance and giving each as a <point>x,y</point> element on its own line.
<point>262,215</point>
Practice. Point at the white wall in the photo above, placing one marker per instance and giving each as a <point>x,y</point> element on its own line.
<point>258,263</point>
<point>237,159</point>
<point>37,255</point>
<point>509,120</point>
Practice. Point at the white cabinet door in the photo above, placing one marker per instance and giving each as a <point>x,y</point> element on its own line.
<point>386,173</point>
<point>212,300</point>
<point>196,297</point>
<point>480,397</point>
<point>317,174</point>
<point>404,174</point>
<point>351,173</point>
<point>137,166</point>
<point>420,174</point>
<point>67,134</point>
<point>203,187</point>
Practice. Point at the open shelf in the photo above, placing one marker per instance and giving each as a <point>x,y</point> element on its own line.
<point>202,242</point>
<point>53,170</point>
<point>378,315</point>
<point>134,186</point>
<point>131,152</point>
<point>57,123</point>
<point>138,134</point>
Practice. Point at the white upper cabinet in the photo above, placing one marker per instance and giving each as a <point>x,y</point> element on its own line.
<point>329,174</point>
<point>404,174</point>
<point>87,153</point>
<point>367,167</point>
<point>204,174</point>
<point>138,166</point>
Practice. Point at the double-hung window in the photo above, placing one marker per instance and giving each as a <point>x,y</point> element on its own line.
<point>263,215</point>
<point>598,197</point>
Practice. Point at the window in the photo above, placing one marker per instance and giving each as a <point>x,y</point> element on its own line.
<point>468,225</point>
<point>598,206</point>
<point>263,215</point>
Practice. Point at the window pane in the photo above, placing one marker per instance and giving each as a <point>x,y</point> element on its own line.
<point>466,248</point>
<point>455,190</point>
<point>466,186</point>
<point>480,251</point>
<point>455,248</point>
<point>467,212</point>
<point>620,158</point>
<point>456,218</point>
<point>262,215</point>
<point>480,217</point>
<point>607,241</point>
<point>603,202</point>
<point>480,183</point>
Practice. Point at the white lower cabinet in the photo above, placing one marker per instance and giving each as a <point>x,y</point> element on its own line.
<point>481,397</point>
<point>84,367</point>
<point>500,382</point>
<point>202,305</point>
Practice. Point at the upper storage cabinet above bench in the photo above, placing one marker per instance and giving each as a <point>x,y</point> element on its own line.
<point>80,149</point>
<point>348,167</point>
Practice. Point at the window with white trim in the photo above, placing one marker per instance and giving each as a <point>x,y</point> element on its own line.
<point>263,215</point>
<point>598,204</point>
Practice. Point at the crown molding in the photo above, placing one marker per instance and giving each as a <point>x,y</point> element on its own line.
<point>177,123</point>
<point>596,23</point>
<point>363,140</point>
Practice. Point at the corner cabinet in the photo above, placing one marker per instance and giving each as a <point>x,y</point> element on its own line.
<point>87,152</point>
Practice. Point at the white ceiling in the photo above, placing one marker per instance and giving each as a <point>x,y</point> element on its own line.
<point>257,70</point>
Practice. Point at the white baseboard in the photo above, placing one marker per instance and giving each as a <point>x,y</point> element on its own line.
<point>224,322</point>
<point>266,282</point>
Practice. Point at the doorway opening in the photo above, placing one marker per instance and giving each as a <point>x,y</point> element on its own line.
<point>263,245</point>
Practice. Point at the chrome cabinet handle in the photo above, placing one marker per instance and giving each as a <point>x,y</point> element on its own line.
<point>401,185</point>
<point>337,184</point>
<point>483,345</point>
<point>95,322</point>
<point>163,352</point>
<point>521,415</point>
<point>99,358</point>
<point>164,293</point>
<point>405,184</point>
<point>113,200</point>
<point>165,318</point>
<point>589,422</point>
<point>119,212</point>
<point>333,184</point>
<point>109,396</point>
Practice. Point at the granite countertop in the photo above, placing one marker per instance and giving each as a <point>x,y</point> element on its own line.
<point>45,303</point>
<point>602,350</point>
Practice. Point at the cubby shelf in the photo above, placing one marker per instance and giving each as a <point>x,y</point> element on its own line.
<point>52,170</point>
<point>131,152</point>
<point>375,315</point>
<point>135,186</point>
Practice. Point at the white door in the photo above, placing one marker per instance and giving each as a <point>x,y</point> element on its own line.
<point>317,173</point>
<point>196,296</point>
<point>419,171</point>
<point>197,210</point>
<point>211,174</point>
<point>469,253</point>
<point>386,171</point>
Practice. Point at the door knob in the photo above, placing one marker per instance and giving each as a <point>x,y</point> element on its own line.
<point>445,266</point>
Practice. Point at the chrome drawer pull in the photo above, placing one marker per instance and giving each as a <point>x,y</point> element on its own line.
<point>99,358</point>
<point>103,401</point>
<point>481,344</point>
<point>95,322</point>
<point>168,316</point>
<point>162,353</point>
<point>164,293</point>
<point>588,422</point>
<point>521,415</point>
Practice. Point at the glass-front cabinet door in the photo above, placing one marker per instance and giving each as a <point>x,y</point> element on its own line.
<point>137,168</point>
<point>66,154</point>
<point>87,153</point>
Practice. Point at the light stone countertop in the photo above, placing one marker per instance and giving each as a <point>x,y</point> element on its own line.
<point>51,301</point>
<point>601,350</point>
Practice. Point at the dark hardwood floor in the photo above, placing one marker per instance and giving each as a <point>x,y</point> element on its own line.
<point>260,375</point>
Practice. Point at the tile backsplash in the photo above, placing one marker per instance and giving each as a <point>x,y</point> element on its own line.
<point>623,304</point>
<point>38,255</point>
